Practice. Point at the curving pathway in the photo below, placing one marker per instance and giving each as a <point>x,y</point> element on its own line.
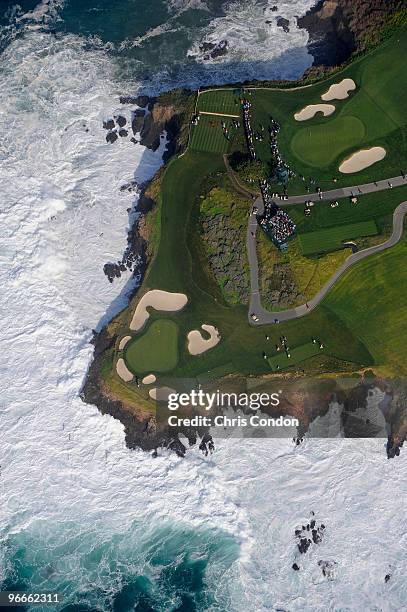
<point>266,316</point>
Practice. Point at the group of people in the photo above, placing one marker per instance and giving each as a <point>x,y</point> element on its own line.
<point>274,221</point>
<point>226,127</point>
<point>246,106</point>
<point>277,224</point>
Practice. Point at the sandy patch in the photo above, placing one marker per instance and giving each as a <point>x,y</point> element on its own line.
<point>197,344</point>
<point>160,300</point>
<point>122,371</point>
<point>362,159</point>
<point>149,380</point>
<point>339,91</point>
<point>312,109</point>
<point>161,394</point>
<point>123,342</point>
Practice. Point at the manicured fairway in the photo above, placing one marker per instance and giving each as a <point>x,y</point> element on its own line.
<point>332,238</point>
<point>208,135</point>
<point>156,350</point>
<point>298,354</point>
<point>220,101</point>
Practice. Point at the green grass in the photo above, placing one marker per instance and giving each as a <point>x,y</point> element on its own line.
<point>331,239</point>
<point>208,135</point>
<point>371,300</point>
<point>297,355</point>
<point>156,350</point>
<point>373,115</point>
<point>320,145</point>
<point>377,206</point>
<point>219,101</point>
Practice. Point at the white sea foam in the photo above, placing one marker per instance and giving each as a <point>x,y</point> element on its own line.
<point>66,476</point>
<point>262,49</point>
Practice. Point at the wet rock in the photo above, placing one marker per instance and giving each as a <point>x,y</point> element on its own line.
<point>207,446</point>
<point>283,23</point>
<point>328,568</point>
<point>131,187</point>
<point>137,120</point>
<point>302,535</point>
<point>151,427</point>
<point>109,124</point>
<point>121,121</point>
<point>177,446</point>
<point>144,101</point>
<point>214,50</point>
<point>111,137</point>
<point>128,100</point>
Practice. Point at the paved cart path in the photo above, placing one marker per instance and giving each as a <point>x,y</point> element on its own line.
<point>266,316</point>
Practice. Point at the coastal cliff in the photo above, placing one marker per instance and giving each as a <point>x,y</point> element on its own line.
<point>340,28</point>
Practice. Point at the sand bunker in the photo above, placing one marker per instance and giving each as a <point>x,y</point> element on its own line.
<point>197,344</point>
<point>149,380</point>
<point>339,91</point>
<point>160,300</point>
<point>122,371</point>
<point>312,109</point>
<point>362,159</point>
<point>160,394</point>
<point>123,342</point>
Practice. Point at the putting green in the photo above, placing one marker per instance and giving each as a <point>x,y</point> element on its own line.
<point>321,144</point>
<point>156,350</point>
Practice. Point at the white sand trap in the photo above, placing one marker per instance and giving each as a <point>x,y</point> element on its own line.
<point>149,380</point>
<point>339,91</point>
<point>160,300</point>
<point>197,344</point>
<point>312,109</point>
<point>123,342</point>
<point>122,371</point>
<point>362,159</point>
<point>161,394</point>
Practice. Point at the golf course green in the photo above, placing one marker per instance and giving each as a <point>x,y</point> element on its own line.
<point>156,350</point>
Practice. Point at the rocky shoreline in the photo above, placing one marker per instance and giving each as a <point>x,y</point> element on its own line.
<point>340,28</point>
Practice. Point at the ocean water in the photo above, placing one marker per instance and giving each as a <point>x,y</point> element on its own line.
<point>110,528</point>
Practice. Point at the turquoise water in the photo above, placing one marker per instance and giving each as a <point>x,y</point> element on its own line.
<point>144,569</point>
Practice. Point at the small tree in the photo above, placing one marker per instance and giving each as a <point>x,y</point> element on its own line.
<point>250,170</point>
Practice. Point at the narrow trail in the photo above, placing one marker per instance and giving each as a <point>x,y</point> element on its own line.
<point>250,195</point>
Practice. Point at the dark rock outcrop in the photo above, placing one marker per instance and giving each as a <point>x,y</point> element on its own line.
<point>338,28</point>
<point>111,137</point>
<point>109,124</point>
<point>137,120</point>
<point>283,23</point>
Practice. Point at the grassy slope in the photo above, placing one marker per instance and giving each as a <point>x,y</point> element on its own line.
<point>331,239</point>
<point>372,302</point>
